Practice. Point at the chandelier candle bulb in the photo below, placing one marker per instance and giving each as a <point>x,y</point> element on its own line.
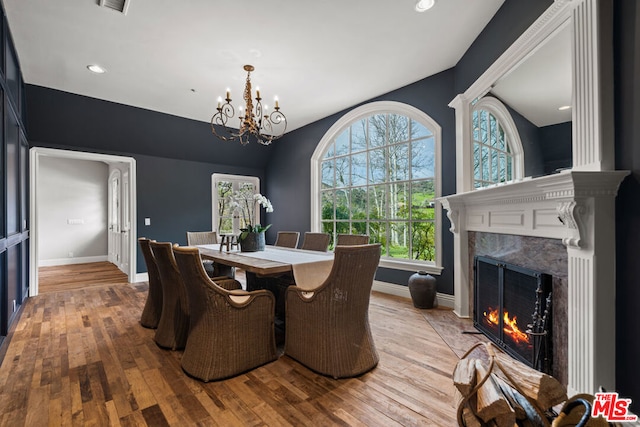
<point>258,93</point>
<point>228,95</point>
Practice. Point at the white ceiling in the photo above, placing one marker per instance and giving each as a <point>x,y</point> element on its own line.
<point>177,57</point>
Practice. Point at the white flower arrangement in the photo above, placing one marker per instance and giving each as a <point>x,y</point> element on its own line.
<point>247,204</point>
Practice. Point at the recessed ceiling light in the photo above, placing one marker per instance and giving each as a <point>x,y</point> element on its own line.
<point>564,107</point>
<point>424,5</point>
<point>96,69</point>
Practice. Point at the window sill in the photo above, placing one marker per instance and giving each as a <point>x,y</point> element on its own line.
<point>410,265</point>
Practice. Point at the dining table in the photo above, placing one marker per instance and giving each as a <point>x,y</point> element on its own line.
<point>309,268</point>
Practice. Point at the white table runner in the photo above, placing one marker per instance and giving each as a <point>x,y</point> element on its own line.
<point>310,268</point>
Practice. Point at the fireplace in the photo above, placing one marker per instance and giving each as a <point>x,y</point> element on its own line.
<point>513,308</point>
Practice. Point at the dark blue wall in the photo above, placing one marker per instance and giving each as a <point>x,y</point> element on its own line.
<point>175,157</point>
<point>556,152</point>
<point>627,130</point>
<point>513,18</point>
<point>289,185</point>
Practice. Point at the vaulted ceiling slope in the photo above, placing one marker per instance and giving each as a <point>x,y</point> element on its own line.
<point>178,57</point>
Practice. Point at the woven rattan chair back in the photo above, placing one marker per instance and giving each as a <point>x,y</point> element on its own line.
<point>352,239</point>
<point>174,322</point>
<point>287,239</point>
<point>201,238</point>
<point>153,306</point>
<point>231,332</point>
<point>316,241</point>
<point>327,329</point>
<point>209,238</point>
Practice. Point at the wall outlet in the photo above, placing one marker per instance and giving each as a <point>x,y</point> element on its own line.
<point>147,221</point>
<point>70,254</point>
<point>75,221</point>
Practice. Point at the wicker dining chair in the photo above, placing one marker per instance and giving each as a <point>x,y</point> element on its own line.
<point>316,241</point>
<point>352,239</point>
<point>153,306</point>
<point>174,322</point>
<point>230,332</point>
<point>287,239</point>
<point>327,328</point>
<point>209,238</point>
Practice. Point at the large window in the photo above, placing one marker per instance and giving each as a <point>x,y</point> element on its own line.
<point>377,173</point>
<point>497,151</point>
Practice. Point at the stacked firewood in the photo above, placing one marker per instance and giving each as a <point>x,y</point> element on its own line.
<point>498,390</point>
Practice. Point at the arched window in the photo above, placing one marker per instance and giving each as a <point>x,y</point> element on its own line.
<point>377,172</point>
<point>497,150</point>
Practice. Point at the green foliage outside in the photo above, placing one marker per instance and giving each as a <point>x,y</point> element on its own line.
<point>378,179</point>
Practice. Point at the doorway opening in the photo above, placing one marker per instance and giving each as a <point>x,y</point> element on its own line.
<point>124,247</point>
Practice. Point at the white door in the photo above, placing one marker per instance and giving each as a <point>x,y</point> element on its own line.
<point>125,223</point>
<point>115,237</point>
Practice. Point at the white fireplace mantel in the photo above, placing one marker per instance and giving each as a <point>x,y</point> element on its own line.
<point>577,207</point>
<point>554,206</point>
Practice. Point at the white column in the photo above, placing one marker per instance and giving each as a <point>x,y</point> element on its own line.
<point>461,284</point>
<point>593,133</point>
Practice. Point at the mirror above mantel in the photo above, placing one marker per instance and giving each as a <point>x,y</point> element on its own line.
<point>538,95</point>
<point>555,63</point>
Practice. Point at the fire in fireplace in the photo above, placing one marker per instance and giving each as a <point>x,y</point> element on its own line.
<point>513,309</point>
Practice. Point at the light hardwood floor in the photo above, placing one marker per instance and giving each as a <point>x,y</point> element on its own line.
<point>79,356</point>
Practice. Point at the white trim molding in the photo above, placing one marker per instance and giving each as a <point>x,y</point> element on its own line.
<point>70,261</point>
<point>579,209</point>
<point>35,154</point>
<point>442,300</point>
<point>576,206</point>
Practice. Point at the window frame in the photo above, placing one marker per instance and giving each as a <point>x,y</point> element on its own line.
<point>496,108</point>
<point>359,113</point>
<point>235,180</point>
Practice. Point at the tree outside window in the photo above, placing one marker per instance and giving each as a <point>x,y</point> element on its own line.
<point>378,177</point>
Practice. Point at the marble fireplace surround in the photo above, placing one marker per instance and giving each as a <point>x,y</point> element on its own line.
<point>577,209</point>
<point>540,254</point>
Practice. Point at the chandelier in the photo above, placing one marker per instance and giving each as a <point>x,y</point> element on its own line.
<point>263,126</point>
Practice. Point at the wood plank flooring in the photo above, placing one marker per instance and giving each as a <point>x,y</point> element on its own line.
<point>79,356</point>
<point>77,276</point>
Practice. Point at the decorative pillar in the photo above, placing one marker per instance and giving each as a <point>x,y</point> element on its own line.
<point>461,281</point>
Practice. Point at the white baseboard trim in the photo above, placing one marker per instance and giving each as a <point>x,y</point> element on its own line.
<point>442,300</point>
<point>142,277</point>
<point>69,261</point>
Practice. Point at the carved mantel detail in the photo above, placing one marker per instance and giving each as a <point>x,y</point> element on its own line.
<point>572,215</point>
<point>453,213</point>
<point>556,206</point>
